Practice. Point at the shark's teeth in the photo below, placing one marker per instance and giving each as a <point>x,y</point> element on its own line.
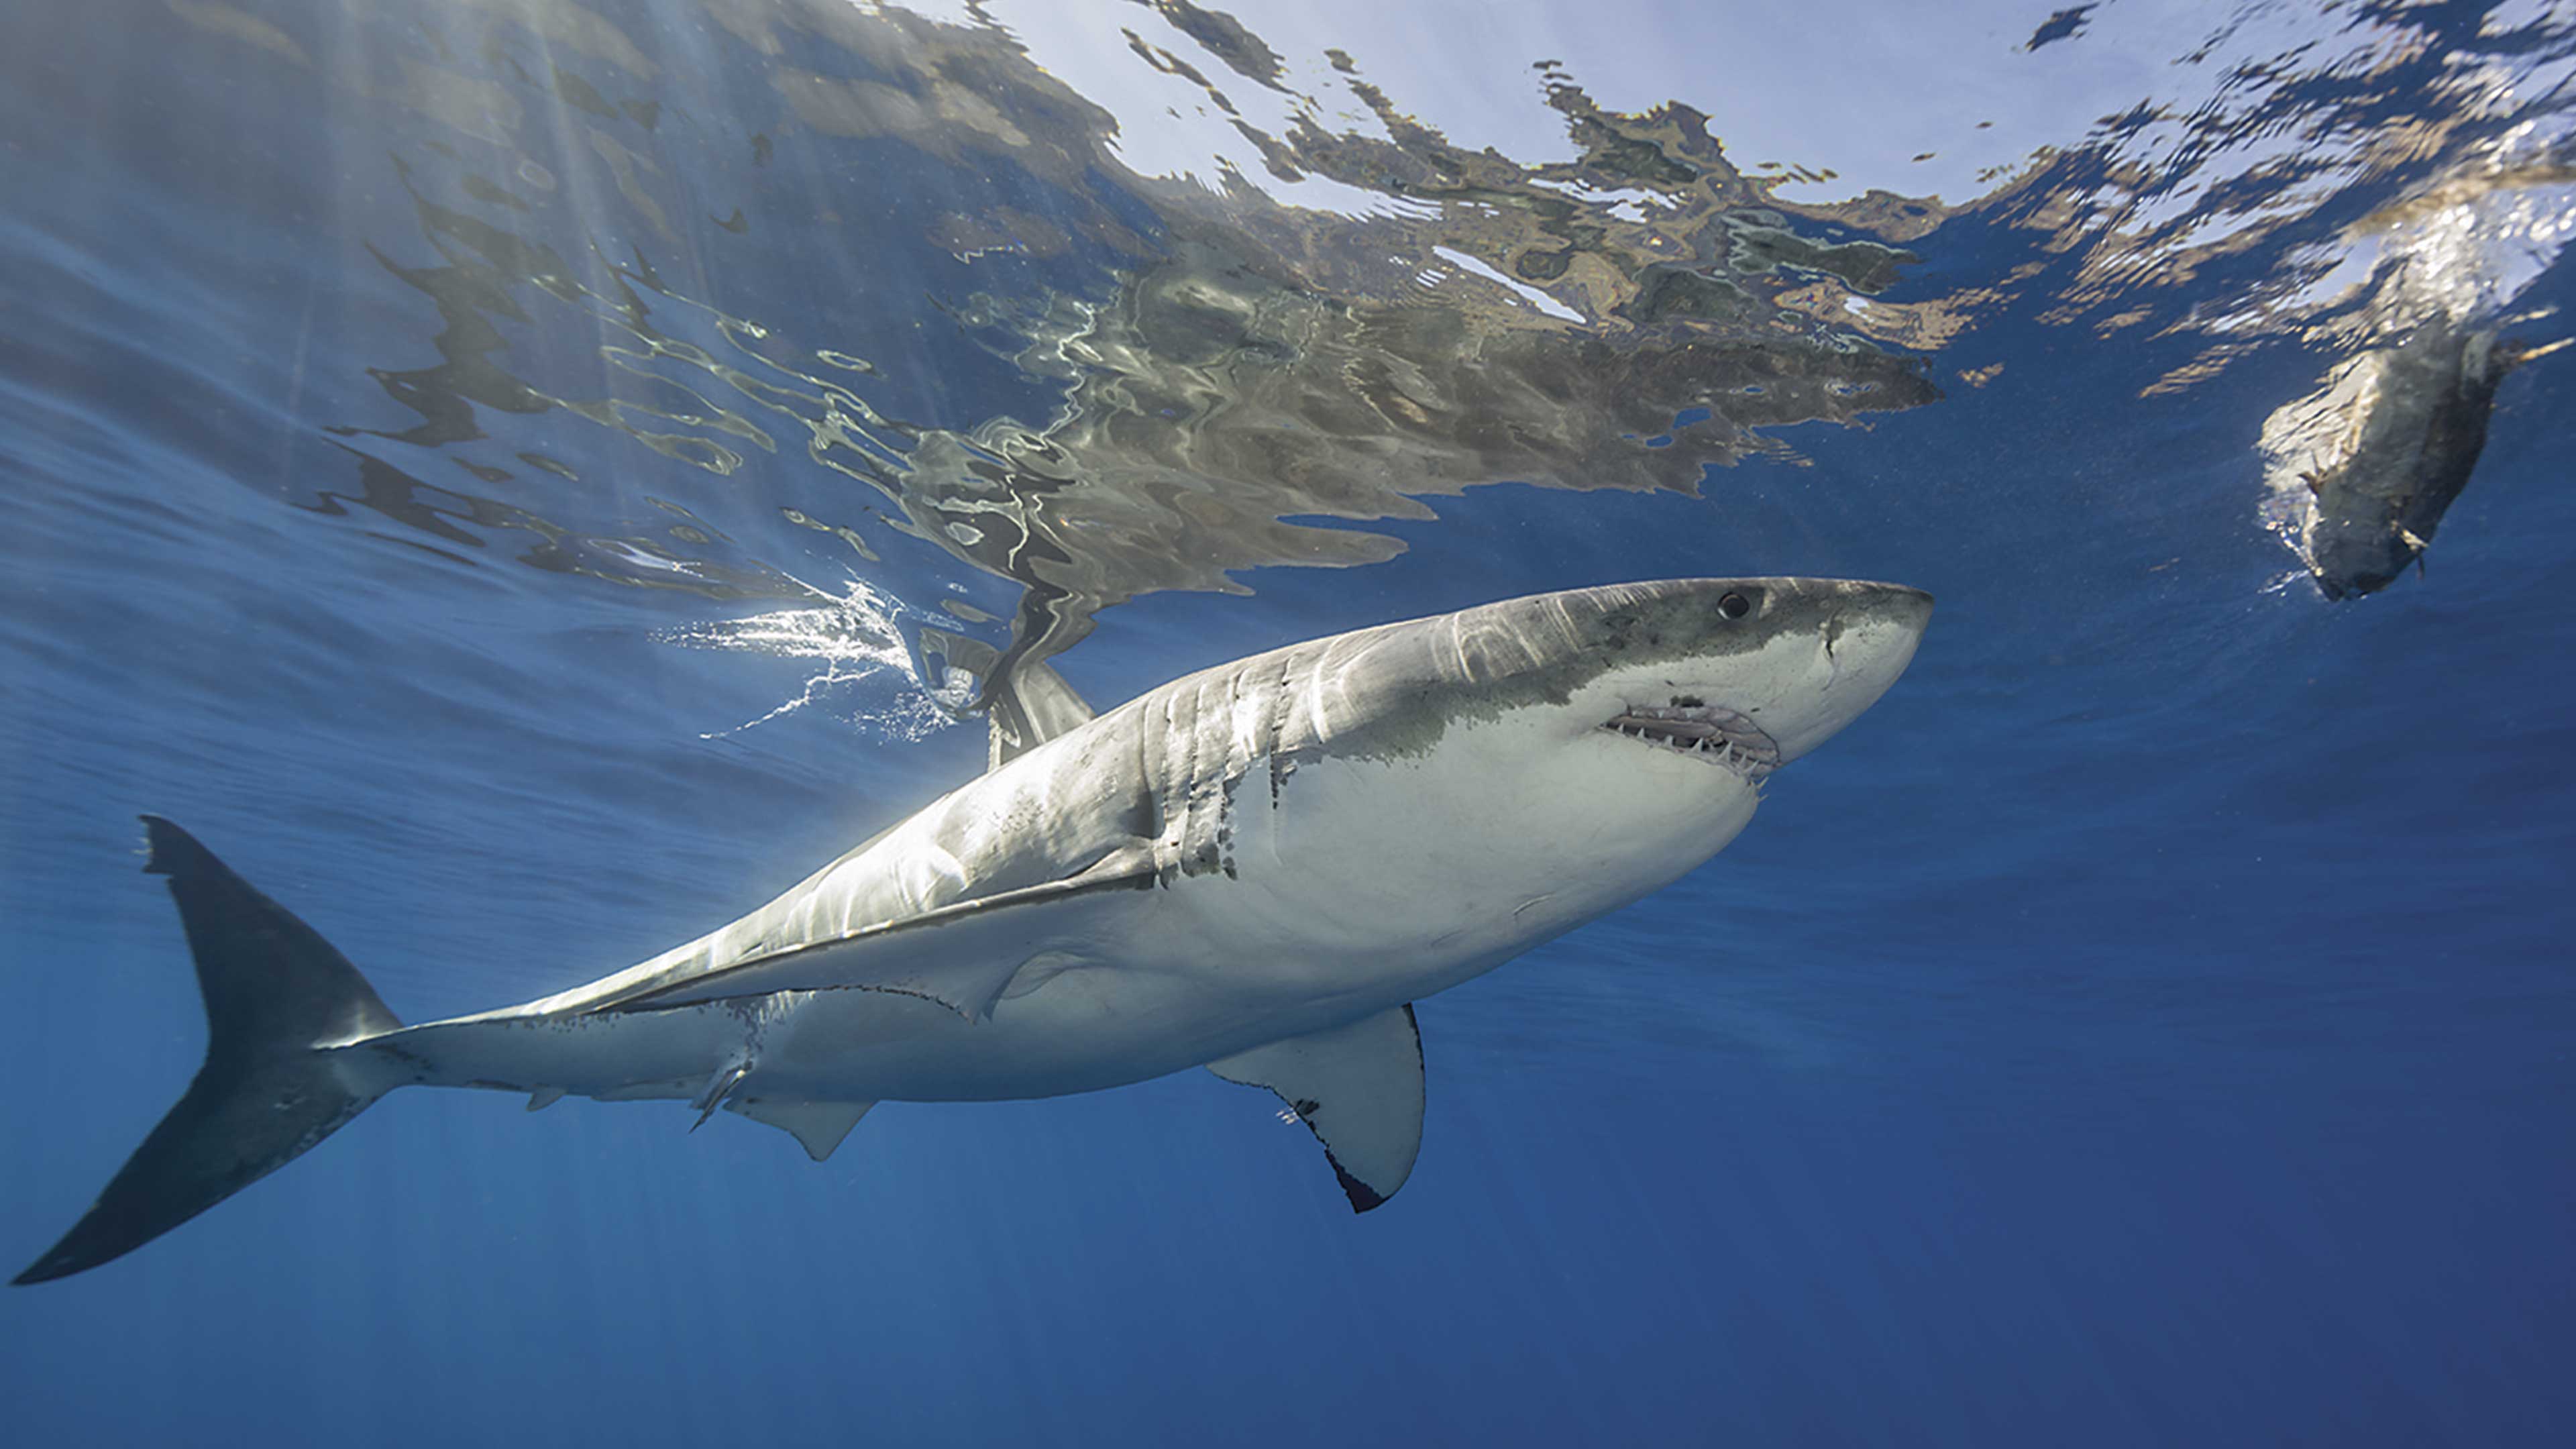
<point>1731,739</point>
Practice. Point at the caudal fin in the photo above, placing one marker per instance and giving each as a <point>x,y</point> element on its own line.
<point>278,997</point>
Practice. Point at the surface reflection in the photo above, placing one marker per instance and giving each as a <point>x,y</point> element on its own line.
<point>758,251</point>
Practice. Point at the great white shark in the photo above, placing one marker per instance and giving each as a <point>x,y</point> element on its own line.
<point>1257,868</point>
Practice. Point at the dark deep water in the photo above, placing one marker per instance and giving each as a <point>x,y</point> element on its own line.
<point>442,440</point>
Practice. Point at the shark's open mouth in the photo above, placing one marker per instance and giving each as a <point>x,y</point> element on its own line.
<point>1706,730</point>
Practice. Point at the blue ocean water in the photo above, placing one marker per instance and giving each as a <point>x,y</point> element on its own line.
<point>481,467</point>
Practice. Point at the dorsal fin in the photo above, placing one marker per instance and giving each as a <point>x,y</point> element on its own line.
<point>1026,710</point>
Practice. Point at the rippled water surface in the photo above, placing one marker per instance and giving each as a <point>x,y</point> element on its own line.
<point>490,468</point>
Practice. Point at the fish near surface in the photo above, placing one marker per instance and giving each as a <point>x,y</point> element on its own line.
<point>2369,463</point>
<point>1257,868</point>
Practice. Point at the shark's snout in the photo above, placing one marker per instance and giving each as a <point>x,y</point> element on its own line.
<point>1866,637</point>
<point>1768,670</point>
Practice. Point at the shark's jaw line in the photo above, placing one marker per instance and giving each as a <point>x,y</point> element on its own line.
<point>1706,731</point>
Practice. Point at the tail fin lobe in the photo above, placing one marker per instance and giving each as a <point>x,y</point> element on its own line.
<point>278,998</point>
<point>272,984</point>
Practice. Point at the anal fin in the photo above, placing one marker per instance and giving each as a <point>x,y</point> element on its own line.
<point>819,1126</point>
<point>1358,1088</point>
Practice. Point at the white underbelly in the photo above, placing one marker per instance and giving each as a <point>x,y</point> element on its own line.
<point>1163,994</point>
<point>1204,971</point>
<point>1364,886</point>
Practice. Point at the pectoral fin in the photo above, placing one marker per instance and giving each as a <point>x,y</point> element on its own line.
<point>820,1126</point>
<point>1358,1088</point>
<point>961,957</point>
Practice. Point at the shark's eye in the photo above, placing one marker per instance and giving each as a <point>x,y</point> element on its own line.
<point>1734,606</point>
